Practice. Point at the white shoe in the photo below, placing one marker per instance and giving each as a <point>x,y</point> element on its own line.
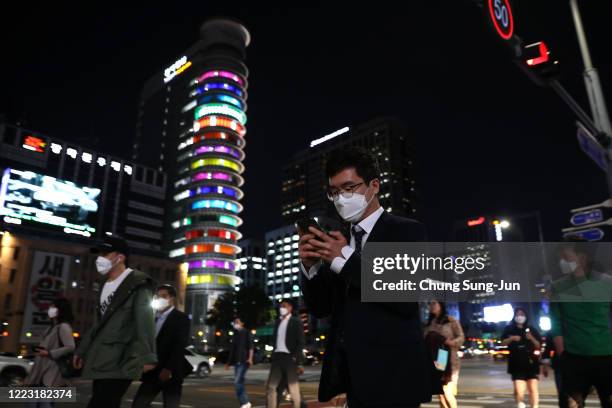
<point>247,405</point>
<point>521,405</point>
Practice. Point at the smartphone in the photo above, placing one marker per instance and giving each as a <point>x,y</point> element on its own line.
<point>302,225</point>
<point>442,360</point>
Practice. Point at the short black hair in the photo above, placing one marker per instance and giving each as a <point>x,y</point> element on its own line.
<point>64,310</point>
<point>579,246</point>
<point>166,286</point>
<point>289,302</point>
<point>364,163</point>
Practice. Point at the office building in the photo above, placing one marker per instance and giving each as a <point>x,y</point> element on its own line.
<point>129,203</point>
<point>192,125</point>
<point>252,270</point>
<point>284,276</point>
<point>304,182</point>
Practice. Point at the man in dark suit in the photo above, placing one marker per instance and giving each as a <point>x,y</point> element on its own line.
<point>375,351</point>
<point>171,338</point>
<point>287,355</point>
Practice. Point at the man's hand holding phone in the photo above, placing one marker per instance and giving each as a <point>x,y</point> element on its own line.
<point>307,252</point>
<point>328,246</point>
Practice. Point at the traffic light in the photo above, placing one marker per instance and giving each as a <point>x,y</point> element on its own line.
<point>538,63</point>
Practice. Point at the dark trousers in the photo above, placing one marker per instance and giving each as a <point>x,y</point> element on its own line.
<point>580,373</point>
<point>107,393</point>
<point>171,391</point>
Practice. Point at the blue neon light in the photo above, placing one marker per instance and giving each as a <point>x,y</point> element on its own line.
<point>220,204</point>
<point>217,85</point>
<point>220,98</point>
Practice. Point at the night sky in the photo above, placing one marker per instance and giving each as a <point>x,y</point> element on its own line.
<point>487,139</point>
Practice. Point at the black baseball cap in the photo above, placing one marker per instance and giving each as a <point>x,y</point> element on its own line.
<point>111,243</point>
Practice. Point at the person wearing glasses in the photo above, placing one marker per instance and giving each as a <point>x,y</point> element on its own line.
<point>401,374</point>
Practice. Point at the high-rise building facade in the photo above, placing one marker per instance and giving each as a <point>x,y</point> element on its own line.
<point>284,276</point>
<point>304,182</point>
<point>192,124</point>
<point>252,270</point>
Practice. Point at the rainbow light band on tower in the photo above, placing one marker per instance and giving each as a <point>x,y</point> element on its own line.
<point>211,175</point>
<point>223,74</point>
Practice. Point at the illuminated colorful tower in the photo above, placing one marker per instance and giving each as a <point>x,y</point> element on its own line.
<point>208,176</point>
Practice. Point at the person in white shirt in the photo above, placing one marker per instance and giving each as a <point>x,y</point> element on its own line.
<point>121,344</point>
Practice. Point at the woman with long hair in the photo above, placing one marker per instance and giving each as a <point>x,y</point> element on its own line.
<point>523,342</point>
<point>57,342</point>
<point>450,329</point>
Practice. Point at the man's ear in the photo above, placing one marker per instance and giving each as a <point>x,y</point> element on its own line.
<point>375,183</point>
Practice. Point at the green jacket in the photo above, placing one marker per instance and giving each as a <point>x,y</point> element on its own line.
<point>122,341</point>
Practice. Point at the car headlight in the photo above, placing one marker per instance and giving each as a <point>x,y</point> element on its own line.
<point>212,359</point>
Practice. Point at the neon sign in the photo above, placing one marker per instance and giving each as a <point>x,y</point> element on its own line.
<point>34,144</point>
<point>175,69</point>
<point>477,221</point>
<point>221,109</point>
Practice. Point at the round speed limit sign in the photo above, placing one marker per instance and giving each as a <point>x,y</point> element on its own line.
<point>500,13</point>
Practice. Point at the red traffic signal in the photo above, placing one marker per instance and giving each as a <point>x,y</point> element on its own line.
<point>537,62</point>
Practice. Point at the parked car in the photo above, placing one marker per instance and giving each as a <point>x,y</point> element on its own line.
<point>13,369</point>
<point>202,365</point>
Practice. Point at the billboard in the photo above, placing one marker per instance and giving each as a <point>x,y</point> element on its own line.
<point>48,280</point>
<point>30,198</point>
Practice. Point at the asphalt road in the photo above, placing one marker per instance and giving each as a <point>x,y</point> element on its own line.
<point>482,384</point>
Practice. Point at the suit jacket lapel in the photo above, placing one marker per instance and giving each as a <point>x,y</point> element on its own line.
<point>379,229</point>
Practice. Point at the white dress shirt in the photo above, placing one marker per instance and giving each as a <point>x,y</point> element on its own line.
<point>281,336</point>
<point>160,319</point>
<point>367,224</point>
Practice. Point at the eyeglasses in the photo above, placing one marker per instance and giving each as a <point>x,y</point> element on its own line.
<point>346,192</point>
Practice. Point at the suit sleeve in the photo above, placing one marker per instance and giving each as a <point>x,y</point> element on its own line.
<point>319,292</point>
<point>299,358</point>
<point>181,336</point>
<point>351,272</point>
<point>145,326</point>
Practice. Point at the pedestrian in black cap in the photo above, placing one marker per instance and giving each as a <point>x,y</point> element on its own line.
<point>121,344</point>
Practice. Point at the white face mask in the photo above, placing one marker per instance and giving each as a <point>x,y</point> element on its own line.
<point>103,265</point>
<point>352,209</point>
<point>567,267</point>
<point>52,312</point>
<point>520,319</point>
<point>283,311</point>
<point>236,326</point>
<point>161,304</point>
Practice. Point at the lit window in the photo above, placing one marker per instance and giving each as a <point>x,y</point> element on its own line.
<point>71,152</point>
<point>287,240</point>
<point>101,161</point>
<point>116,165</point>
<point>271,275</point>
<point>56,148</point>
<point>128,170</point>
<point>86,157</point>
